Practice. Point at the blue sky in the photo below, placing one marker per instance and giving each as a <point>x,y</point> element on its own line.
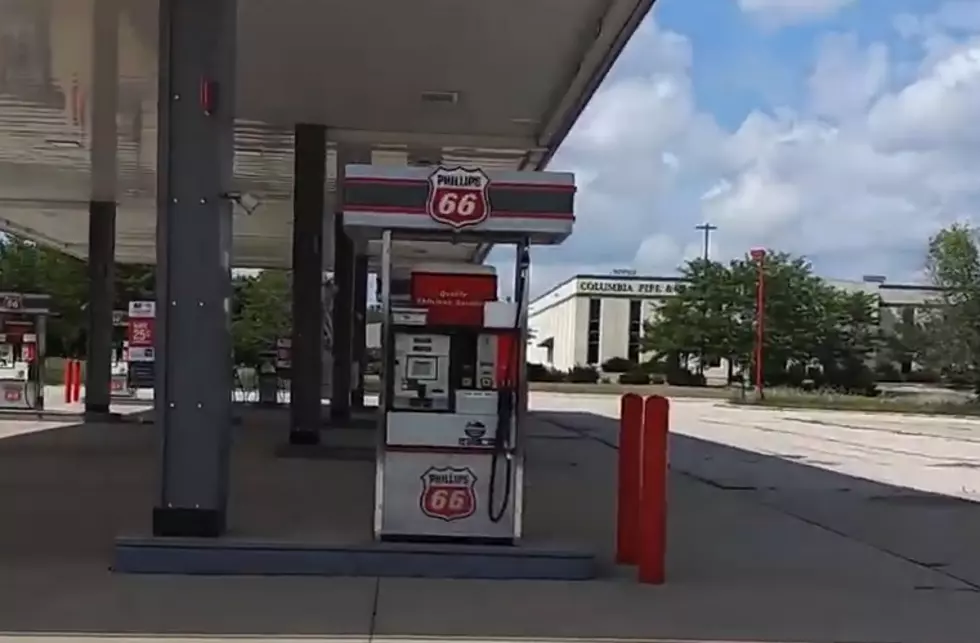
<point>838,129</point>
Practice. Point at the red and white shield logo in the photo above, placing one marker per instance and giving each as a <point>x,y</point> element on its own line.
<point>448,493</point>
<point>458,197</point>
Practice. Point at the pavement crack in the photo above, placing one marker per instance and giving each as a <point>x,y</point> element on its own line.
<point>372,626</point>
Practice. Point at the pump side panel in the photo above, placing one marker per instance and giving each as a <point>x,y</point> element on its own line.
<point>439,494</point>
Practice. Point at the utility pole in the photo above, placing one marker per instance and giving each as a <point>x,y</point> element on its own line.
<point>707,228</point>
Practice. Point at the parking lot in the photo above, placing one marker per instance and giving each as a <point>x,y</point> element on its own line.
<point>784,526</point>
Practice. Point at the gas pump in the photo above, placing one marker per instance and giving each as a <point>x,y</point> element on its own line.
<point>119,385</point>
<point>23,327</point>
<point>450,462</point>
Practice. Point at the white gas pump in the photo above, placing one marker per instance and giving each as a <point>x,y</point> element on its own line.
<point>119,385</point>
<point>450,462</point>
<point>23,321</point>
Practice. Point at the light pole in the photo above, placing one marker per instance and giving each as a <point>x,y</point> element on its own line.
<point>759,257</point>
<point>707,229</point>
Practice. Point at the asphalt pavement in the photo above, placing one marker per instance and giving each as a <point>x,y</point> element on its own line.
<point>785,526</point>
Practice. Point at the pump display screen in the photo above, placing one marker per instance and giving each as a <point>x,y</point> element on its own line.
<point>421,368</point>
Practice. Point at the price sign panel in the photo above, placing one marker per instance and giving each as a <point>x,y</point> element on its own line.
<point>140,330</point>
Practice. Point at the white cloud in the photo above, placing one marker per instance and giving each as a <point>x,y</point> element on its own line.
<point>846,78</point>
<point>938,109</point>
<point>781,13</point>
<point>856,178</point>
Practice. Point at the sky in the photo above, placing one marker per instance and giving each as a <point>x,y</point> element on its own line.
<point>846,131</point>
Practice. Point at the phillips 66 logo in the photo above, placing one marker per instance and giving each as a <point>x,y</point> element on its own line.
<point>458,197</point>
<point>448,493</point>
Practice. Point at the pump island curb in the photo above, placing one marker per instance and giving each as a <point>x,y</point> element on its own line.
<point>452,420</point>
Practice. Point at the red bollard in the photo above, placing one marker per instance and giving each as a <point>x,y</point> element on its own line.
<point>76,381</point>
<point>652,555</point>
<point>67,376</point>
<point>628,496</point>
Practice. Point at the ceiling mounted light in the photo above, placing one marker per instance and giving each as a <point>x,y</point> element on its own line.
<point>63,143</point>
<point>446,98</point>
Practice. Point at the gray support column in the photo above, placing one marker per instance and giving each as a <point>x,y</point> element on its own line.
<point>343,318</point>
<point>359,342</point>
<point>102,207</point>
<point>194,225</point>
<point>310,172</point>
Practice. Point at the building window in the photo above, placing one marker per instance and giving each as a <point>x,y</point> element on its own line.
<point>595,321</point>
<point>635,330</point>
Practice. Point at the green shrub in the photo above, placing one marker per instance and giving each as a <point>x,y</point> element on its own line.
<point>618,365</point>
<point>635,377</point>
<point>658,378</point>
<point>684,377</point>
<point>654,365</point>
<point>583,375</point>
<point>541,373</point>
<point>923,376</point>
<point>887,372</point>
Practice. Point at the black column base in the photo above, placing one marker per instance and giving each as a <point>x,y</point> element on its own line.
<point>305,438</point>
<point>357,400</point>
<point>180,522</point>
<point>96,409</point>
<point>339,414</point>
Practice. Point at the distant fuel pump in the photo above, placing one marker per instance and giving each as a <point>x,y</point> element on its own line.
<point>23,330</point>
<point>119,384</point>
<point>454,397</point>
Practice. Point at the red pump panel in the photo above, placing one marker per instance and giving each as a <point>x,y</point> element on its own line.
<point>453,298</point>
<point>506,375</point>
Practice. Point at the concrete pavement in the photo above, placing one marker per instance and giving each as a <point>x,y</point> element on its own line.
<point>774,556</point>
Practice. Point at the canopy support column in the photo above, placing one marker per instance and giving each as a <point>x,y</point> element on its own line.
<point>310,173</point>
<point>102,207</point>
<point>194,227</point>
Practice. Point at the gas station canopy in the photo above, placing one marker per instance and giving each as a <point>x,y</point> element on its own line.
<point>495,85</point>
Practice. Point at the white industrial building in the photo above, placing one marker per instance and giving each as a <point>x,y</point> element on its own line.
<point>589,319</point>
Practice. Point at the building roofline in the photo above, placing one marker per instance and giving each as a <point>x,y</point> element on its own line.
<point>676,279</point>
<point>887,286</point>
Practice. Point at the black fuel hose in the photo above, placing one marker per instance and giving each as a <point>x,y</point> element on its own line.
<point>506,404</point>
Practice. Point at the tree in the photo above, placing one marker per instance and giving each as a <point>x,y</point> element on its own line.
<point>953,266</point>
<point>261,314</point>
<point>28,268</point>
<point>807,322</point>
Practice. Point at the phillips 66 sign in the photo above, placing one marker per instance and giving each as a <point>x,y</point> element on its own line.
<point>458,197</point>
<point>448,493</point>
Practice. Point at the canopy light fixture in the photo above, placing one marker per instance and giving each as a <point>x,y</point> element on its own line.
<point>447,98</point>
